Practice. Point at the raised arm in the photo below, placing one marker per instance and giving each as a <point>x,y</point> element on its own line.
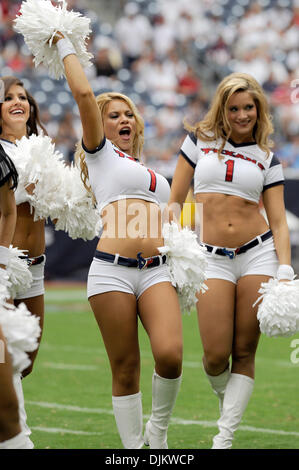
<point>92,125</point>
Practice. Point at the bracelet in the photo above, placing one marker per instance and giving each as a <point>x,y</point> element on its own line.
<point>4,255</point>
<point>285,271</point>
<point>65,48</point>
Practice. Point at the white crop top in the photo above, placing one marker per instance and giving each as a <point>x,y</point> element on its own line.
<point>115,175</point>
<point>245,170</point>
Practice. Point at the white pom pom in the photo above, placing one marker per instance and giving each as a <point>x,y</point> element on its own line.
<point>38,22</point>
<point>278,312</point>
<point>79,218</point>
<point>21,330</point>
<point>19,276</point>
<point>59,192</point>
<point>187,263</point>
<point>38,163</point>
<point>5,284</point>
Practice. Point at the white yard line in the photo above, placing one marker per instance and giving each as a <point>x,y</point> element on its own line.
<point>65,431</point>
<point>62,366</point>
<point>89,367</point>
<point>181,421</point>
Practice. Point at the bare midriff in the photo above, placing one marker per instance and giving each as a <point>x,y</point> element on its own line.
<point>131,226</point>
<point>29,235</point>
<point>229,221</point>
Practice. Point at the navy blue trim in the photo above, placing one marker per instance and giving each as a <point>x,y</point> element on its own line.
<point>7,169</point>
<point>99,147</point>
<point>33,261</point>
<point>8,141</point>
<point>193,137</point>
<point>4,179</point>
<point>188,159</point>
<point>274,161</point>
<point>244,144</point>
<point>277,183</point>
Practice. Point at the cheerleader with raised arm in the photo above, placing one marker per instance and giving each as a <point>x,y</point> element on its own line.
<point>129,279</point>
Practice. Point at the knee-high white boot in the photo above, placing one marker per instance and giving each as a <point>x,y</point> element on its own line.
<point>129,420</point>
<point>22,413</point>
<point>164,394</point>
<point>218,383</point>
<point>20,441</point>
<point>237,394</point>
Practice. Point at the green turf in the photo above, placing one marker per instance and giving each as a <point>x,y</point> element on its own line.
<point>70,388</point>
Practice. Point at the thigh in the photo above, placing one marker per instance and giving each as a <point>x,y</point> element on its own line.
<point>9,415</point>
<point>116,315</point>
<point>215,311</point>
<point>247,330</point>
<point>6,372</point>
<point>35,305</point>
<point>160,314</point>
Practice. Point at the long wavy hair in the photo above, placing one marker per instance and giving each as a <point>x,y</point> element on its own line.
<point>103,100</point>
<point>215,125</point>
<point>34,121</point>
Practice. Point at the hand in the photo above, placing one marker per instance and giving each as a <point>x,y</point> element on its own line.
<point>169,215</point>
<point>57,37</point>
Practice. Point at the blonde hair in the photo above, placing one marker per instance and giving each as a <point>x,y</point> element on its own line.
<point>102,100</point>
<point>215,124</point>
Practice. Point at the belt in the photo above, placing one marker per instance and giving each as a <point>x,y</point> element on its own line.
<point>232,252</point>
<point>34,260</point>
<point>140,262</point>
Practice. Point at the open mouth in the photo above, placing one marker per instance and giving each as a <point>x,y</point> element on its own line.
<point>125,131</point>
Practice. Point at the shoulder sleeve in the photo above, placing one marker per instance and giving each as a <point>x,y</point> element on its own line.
<point>7,169</point>
<point>274,174</point>
<point>95,151</point>
<point>189,149</point>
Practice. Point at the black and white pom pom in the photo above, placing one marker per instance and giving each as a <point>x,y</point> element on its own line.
<point>38,22</point>
<point>278,312</point>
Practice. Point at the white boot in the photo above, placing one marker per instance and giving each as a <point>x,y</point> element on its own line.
<point>237,394</point>
<point>129,420</point>
<point>22,413</point>
<point>218,383</point>
<point>163,400</point>
<point>20,441</point>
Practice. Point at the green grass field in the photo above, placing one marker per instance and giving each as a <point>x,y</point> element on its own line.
<point>68,395</point>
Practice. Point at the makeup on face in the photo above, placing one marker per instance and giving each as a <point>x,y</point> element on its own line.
<point>120,125</point>
<point>242,116</point>
<point>15,109</point>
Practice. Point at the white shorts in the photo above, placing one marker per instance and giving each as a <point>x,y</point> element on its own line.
<point>260,260</point>
<point>37,287</point>
<point>107,277</point>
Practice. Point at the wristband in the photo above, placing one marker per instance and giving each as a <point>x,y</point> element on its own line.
<point>285,271</point>
<point>4,255</point>
<point>65,48</point>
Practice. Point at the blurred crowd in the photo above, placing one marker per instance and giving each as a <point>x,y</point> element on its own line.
<point>169,56</point>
